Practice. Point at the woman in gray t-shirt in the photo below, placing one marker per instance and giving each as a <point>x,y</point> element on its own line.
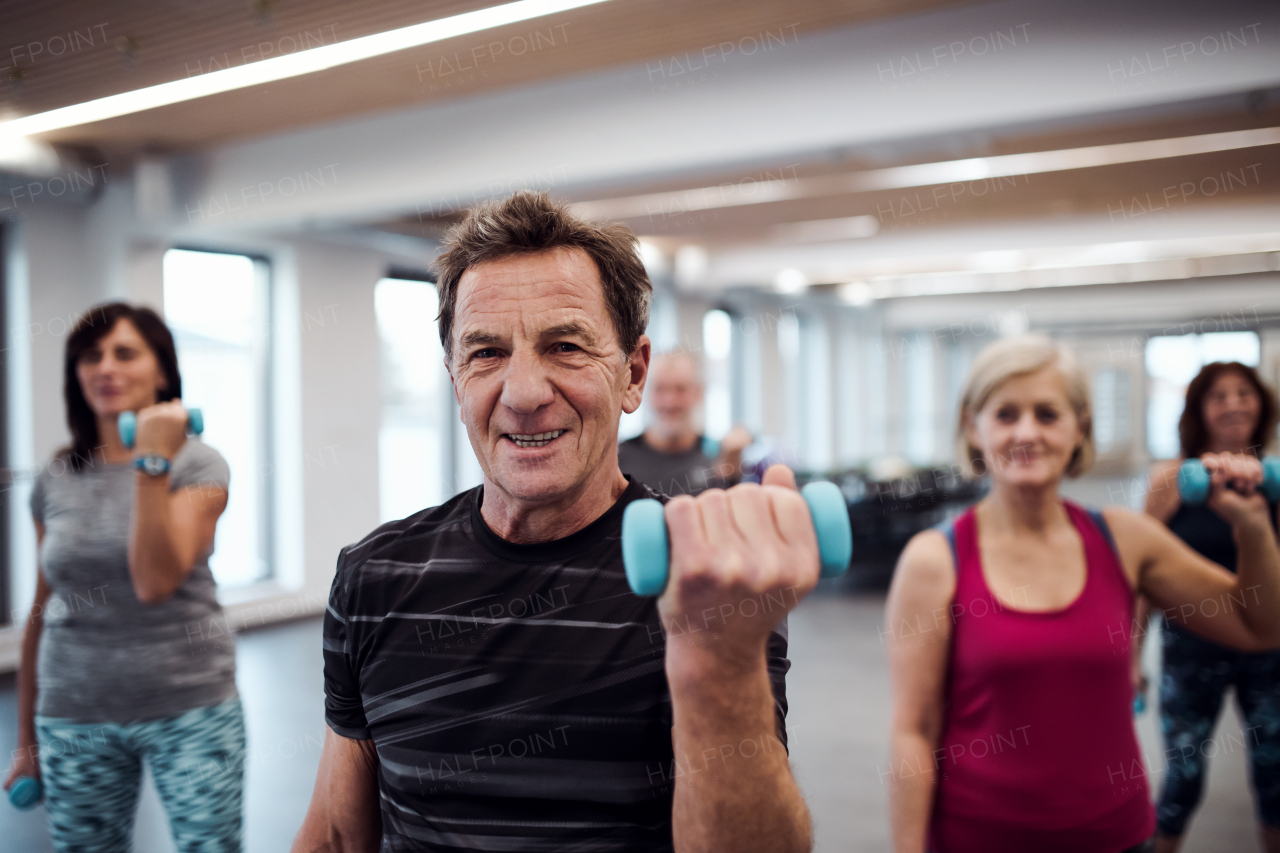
<point>125,655</point>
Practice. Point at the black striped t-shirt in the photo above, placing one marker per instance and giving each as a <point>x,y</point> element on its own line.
<point>515,694</point>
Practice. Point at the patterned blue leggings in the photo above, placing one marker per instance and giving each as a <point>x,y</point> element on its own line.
<point>92,773</point>
<point>1196,675</point>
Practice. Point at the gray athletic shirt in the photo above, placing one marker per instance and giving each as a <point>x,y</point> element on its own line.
<point>686,473</point>
<point>104,655</point>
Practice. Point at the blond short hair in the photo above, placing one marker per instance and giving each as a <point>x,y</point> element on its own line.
<point>1018,356</point>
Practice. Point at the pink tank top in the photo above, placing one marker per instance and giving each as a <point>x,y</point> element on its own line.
<point>1038,749</point>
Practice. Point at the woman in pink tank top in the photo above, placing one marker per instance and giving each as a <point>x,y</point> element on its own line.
<point>1009,629</point>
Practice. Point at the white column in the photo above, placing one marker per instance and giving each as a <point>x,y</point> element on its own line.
<point>849,391</point>
<point>773,417</point>
<point>663,328</point>
<point>817,378</point>
<point>144,276</point>
<point>879,415</point>
<point>917,397</point>
<point>341,400</point>
<point>689,311</point>
<point>791,388</point>
<point>749,357</point>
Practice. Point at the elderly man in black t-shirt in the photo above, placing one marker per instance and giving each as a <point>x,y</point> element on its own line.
<point>490,681</point>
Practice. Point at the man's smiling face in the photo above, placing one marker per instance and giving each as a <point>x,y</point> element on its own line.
<point>539,373</point>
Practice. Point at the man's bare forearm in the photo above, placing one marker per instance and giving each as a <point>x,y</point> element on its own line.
<point>345,811</point>
<point>733,785</point>
<point>334,844</point>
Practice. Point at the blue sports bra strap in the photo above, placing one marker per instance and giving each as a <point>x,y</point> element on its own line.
<point>948,529</point>
<point>1101,522</point>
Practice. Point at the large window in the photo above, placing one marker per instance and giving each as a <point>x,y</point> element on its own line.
<point>919,415</point>
<point>792,395</point>
<point>717,346</point>
<point>1172,362</point>
<point>413,441</point>
<point>816,425</point>
<point>217,306</point>
<point>1111,410</point>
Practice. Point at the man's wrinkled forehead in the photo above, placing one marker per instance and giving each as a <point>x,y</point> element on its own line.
<point>533,294</point>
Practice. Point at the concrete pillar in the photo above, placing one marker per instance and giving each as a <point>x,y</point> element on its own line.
<point>689,311</point>
<point>341,407</point>
<point>817,420</point>
<point>850,407</point>
<point>144,276</point>
<point>879,418</point>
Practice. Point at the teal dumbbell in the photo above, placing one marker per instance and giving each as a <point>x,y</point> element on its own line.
<point>26,792</point>
<point>644,537</point>
<point>1193,481</point>
<point>127,424</point>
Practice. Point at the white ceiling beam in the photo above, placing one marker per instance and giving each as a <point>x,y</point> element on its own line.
<point>836,90</point>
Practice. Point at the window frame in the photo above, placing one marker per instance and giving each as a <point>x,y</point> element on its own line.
<point>729,382</point>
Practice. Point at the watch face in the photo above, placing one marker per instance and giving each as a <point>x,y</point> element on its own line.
<point>154,465</point>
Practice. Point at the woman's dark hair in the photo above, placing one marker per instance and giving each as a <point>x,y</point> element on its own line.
<point>1192,429</point>
<point>93,326</point>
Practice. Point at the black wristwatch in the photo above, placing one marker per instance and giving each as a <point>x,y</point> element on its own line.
<point>153,464</point>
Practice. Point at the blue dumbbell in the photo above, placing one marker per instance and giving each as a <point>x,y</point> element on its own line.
<point>26,792</point>
<point>127,424</point>
<point>1193,481</point>
<point>644,537</point>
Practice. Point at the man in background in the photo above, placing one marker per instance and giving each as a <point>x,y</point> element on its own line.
<point>672,455</point>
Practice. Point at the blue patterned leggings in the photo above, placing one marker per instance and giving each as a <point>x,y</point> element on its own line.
<point>1196,675</point>
<point>92,773</point>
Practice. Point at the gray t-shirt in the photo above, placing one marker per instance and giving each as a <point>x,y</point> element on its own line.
<point>104,655</point>
<point>671,474</point>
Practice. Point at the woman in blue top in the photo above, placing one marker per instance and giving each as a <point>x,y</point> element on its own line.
<point>1229,410</point>
<point>125,656</point>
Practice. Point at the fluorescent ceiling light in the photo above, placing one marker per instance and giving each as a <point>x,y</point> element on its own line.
<point>857,293</point>
<point>29,157</point>
<point>927,174</point>
<point>653,258</point>
<point>692,263</point>
<point>790,280</point>
<point>283,67</point>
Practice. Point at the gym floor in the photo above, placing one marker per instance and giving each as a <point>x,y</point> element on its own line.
<point>839,692</point>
